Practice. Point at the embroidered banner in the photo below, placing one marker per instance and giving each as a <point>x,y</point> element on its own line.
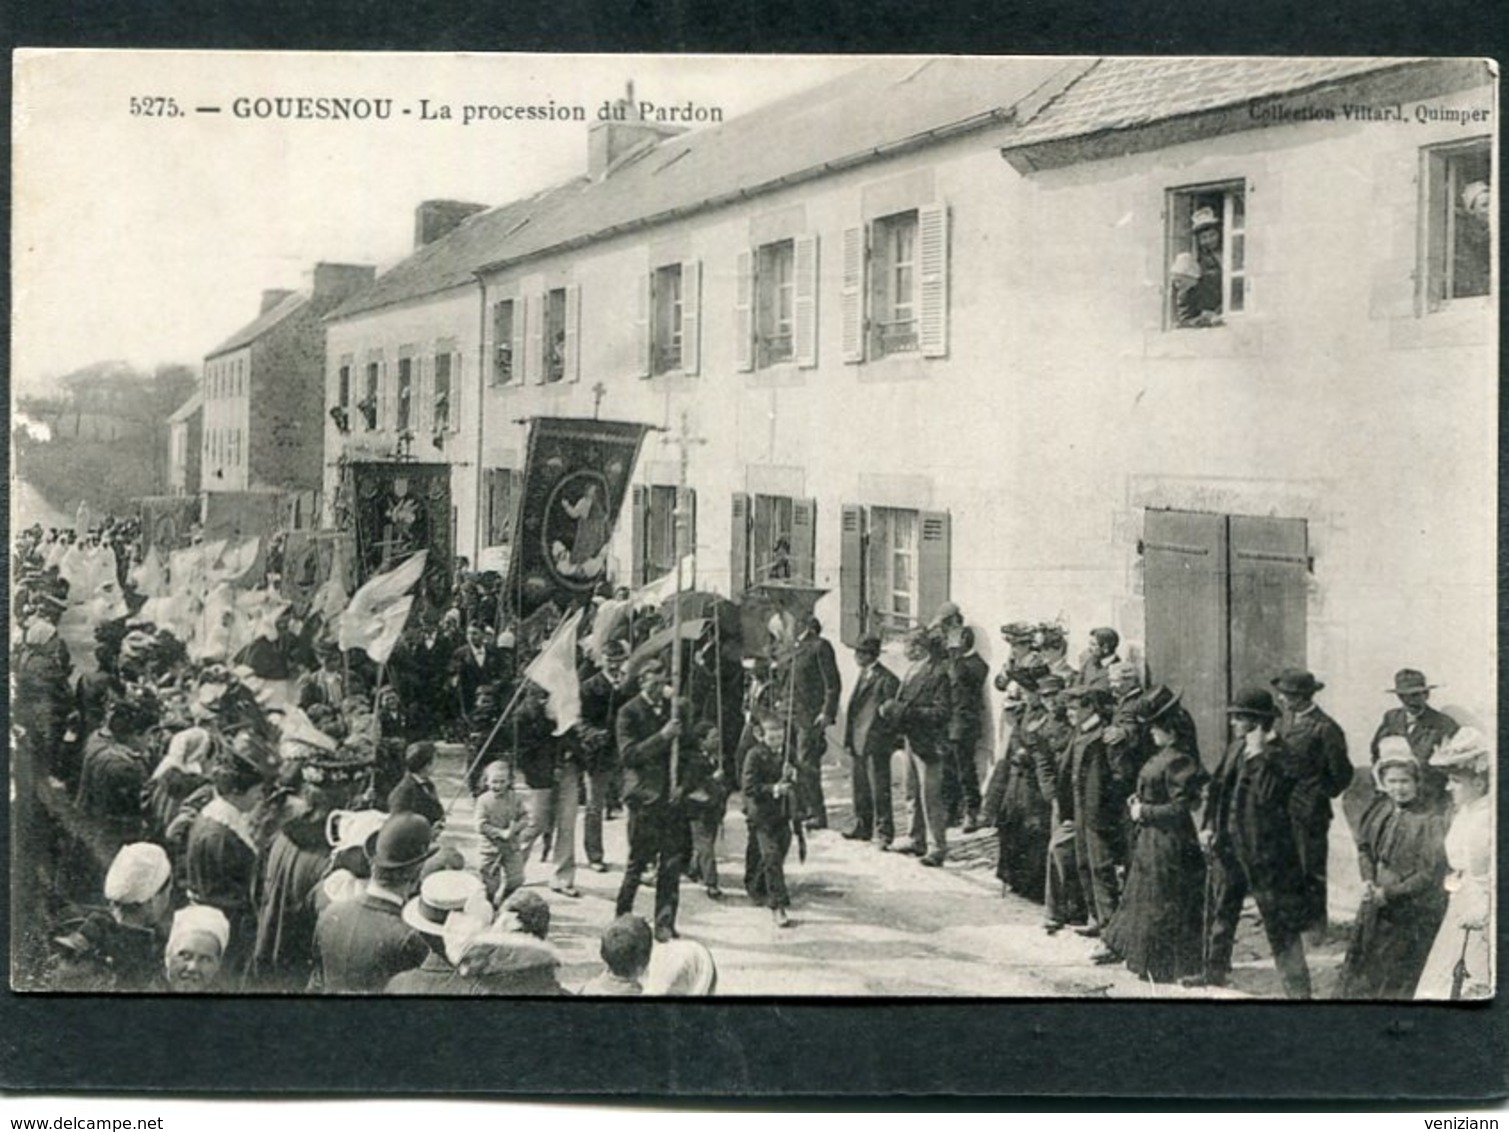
<point>575,478</point>
<point>399,510</point>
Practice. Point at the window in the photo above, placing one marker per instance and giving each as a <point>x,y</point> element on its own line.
<point>775,305</point>
<point>405,393</point>
<point>665,331</point>
<point>368,405</point>
<point>894,294</point>
<point>893,279</point>
<point>443,394</point>
<point>893,569</point>
<point>503,485</point>
<point>503,342</point>
<point>773,540</point>
<point>1207,255</point>
<point>1458,205</point>
<point>653,531</point>
<point>554,358</point>
<point>343,384</point>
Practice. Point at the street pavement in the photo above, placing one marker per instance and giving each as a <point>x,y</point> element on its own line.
<point>868,923</point>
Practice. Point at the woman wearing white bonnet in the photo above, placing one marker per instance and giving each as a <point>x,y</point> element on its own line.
<point>1461,961</point>
<point>196,948</point>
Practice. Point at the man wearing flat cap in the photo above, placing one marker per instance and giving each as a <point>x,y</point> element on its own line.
<point>363,942</point>
<point>603,694</point>
<point>1252,845</point>
<point>815,686</point>
<point>1423,726</point>
<point>919,715</point>
<point>1323,771</point>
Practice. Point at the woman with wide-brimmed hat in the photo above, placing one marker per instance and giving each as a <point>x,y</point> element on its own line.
<point>1157,928</point>
<point>1460,964</point>
<point>1401,855</point>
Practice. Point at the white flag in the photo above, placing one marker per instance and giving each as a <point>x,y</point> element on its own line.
<point>375,618</point>
<point>555,671</point>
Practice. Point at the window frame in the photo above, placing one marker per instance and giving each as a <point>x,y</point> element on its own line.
<point>885,233</point>
<point>770,293</point>
<point>553,330</point>
<point>1440,191</point>
<point>1236,227</point>
<point>667,307</point>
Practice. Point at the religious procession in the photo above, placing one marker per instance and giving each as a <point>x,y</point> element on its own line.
<point>231,795</point>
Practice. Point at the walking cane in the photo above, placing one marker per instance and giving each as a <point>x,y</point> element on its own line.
<point>1459,973</point>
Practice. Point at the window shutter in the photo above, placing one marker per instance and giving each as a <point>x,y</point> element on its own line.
<point>1269,587</point>
<point>851,581</point>
<point>759,538</point>
<point>691,314</point>
<point>490,347</point>
<point>642,366</point>
<point>1439,206</point>
<point>804,541</point>
<point>639,507</point>
<point>424,383</point>
<point>744,286</point>
<point>453,410</point>
<point>804,311</point>
<point>933,540</point>
<point>520,356</point>
<point>384,397</point>
<point>738,542</point>
<point>852,303</point>
<point>534,332</point>
<point>572,351</point>
<point>932,240</point>
<point>690,495</point>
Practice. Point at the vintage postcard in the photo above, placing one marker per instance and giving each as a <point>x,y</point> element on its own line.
<point>778,526</point>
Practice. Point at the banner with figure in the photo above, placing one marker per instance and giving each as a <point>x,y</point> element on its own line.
<point>401,509</point>
<point>575,479</point>
<point>168,521</point>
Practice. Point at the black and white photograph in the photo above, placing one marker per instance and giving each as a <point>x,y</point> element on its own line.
<point>767,527</point>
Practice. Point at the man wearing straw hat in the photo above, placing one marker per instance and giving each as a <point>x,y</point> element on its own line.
<point>1423,726</point>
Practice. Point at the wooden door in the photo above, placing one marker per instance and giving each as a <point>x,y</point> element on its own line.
<point>1270,570</point>
<point>1187,600</point>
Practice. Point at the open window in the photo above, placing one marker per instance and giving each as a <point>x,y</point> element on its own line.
<point>1206,255</point>
<point>653,531</point>
<point>774,539</point>
<point>405,414</point>
<point>895,279</point>
<point>894,567</point>
<point>1458,209</point>
<point>506,329</point>
<point>503,485</point>
<point>775,311</point>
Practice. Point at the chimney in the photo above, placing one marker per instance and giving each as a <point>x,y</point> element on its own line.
<point>435,218</point>
<point>335,282</point>
<point>608,141</point>
<point>271,298</point>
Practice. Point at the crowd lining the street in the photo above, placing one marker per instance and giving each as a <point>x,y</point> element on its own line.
<point>268,821</point>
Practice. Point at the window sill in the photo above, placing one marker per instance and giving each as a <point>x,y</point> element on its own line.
<point>894,369</point>
<point>1462,322</point>
<point>1239,337</point>
<point>779,375</point>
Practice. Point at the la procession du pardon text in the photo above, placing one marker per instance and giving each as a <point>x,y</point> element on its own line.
<point>337,109</point>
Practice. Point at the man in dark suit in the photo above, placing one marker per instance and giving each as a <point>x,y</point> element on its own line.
<point>815,686</point>
<point>920,715</point>
<point>1423,726</point>
<point>475,663</point>
<point>961,776</point>
<point>1252,845</point>
<point>604,692</point>
<point>658,829</point>
<point>1320,764</point>
<point>1099,803</point>
<point>360,944</point>
<point>1100,658</point>
<point>869,741</point>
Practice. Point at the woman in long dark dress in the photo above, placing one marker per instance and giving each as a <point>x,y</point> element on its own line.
<point>1401,853</point>
<point>1158,927</point>
<point>1023,816</point>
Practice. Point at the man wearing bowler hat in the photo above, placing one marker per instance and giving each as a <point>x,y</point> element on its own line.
<point>869,741</point>
<point>1323,770</point>
<point>1099,805</point>
<point>1423,726</point>
<point>362,943</point>
<point>1253,846</point>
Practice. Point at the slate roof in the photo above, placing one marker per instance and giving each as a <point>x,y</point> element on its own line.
<point>1122,93</point>
<point>260,325</point>
<point>856,117</point>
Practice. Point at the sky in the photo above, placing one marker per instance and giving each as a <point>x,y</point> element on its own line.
<point>150,239</point>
